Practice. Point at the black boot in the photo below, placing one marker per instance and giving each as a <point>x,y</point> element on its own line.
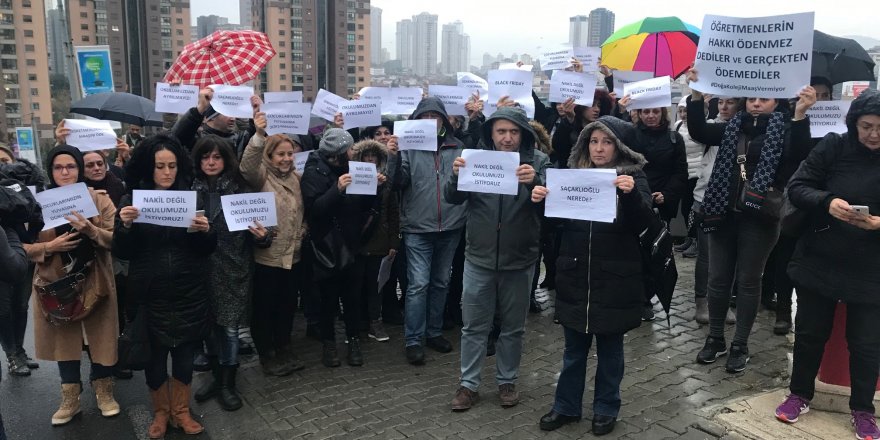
<point>211,386</point>
<point>330,357</point>
<point>355,357</point>
<point>228,397</point>
<point>783,319</point>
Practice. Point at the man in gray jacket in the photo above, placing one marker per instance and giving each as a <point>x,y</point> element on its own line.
<point>503,237</point>
<point>431,230</point>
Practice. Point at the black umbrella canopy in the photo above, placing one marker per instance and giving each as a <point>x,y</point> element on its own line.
<point>840,59</point>
<point>119,106</point>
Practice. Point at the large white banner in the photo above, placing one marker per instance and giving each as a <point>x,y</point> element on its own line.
<point>580,86</point>
<point>58,203</point>
<point>582,194</point>
<point>489,171</point>
<point>761,57</point>
<point>650,93</point>
<point>828,117</point>
<point>233,101</point>
<point>165,208</point>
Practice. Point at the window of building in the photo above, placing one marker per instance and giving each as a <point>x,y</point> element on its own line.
<point>351,58</point>
<point>83,15</point>
<point>361,27</point>
<point>283,88</point>
<point>283,77</point>
<point>85,38</point>
<point>360,47</point>
<point>349,38</point>
<point>29,48</point>
<point>8,64</point>
<point>28,33</point>
<point>351,27</point>
<point>280,21</point>
<point>351,48</point>
<point>281,55</point>
<point>281,43</point>
<point>179,21</point>
<point>180,32</point>
<point>84,26</point>
<point>32,76</point>
<point>35,106</point>
<point>31,63</point>
<point>360,68</point>
<point>281,32</point>
<point>28,18</point>
<point>296,45</point>
<point>298,79</point>
<point>351,69</point>
<point>360,79</point>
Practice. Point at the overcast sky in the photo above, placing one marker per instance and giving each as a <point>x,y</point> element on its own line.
<point>509,26</point>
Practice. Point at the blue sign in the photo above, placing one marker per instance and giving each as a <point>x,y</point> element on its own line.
<point>25,138</point>
<point>95,71</point>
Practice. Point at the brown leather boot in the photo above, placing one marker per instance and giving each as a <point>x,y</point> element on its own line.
<point>161,411</point>
<point>69,404</point>
<point>180,416</point>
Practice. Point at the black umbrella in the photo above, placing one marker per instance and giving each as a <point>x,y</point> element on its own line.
<point>658,263</point>
<point>119,106</point>
<point>840,59</point>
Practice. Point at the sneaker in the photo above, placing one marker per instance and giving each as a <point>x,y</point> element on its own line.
<point>792,408</point>
<point>691,252</point>
<point>17,365</point>
<point>865,425</point>
<point>439,343</point>
<point>508,395</point>
<point>415,354</point>
<point>712,350</point>
<point>684,245</point>
<point>377,331</point>
<point>648,313</point>
<point>464,399</point>
<point>738,358</point>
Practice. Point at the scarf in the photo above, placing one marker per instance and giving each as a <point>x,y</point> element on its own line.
<point>717,198</point>
<point>114,187</point>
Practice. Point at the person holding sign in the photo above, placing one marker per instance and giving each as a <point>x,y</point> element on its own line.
<point>232,266</point>
<point>168,278</point>
<point>760,148</point>
<point>503,235</point>
<point>268,166</point>
<point>599,287</point>
<point>187,127</point>
<point>835,263</point>
<point>572,120</point>
<point>73,262</point>
<point>431,229</point>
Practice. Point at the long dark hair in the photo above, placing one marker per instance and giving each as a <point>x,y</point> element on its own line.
<point>139,169</point>
<point>206,145</point>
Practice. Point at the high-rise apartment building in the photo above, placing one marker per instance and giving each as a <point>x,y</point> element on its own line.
<point>244,12</point>
<point>24,69</point>
<point>601,26</point>
<point>319,44</point>
<point>424,44</point>
<point>375,36</point>
<point>577,31</point>
<point>207,24</point>
<point>404,42</point>
<point>56,36</point>
<point>455,49</point>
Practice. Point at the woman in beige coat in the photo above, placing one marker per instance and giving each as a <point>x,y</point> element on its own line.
<point>61,254</point>
<point>267,165</point>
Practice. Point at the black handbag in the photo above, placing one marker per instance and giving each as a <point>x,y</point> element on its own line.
<point>331,253</point>
<point>767,206</point>
<point>134,344</point>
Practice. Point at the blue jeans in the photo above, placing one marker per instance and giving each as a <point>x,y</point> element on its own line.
<point>428,267</point>
<point>227,340</point>
<point>572,379</point>
<point>484,291</point>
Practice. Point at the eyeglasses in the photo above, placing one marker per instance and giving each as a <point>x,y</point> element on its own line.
<point>871,129</point>
<point>62,168</point>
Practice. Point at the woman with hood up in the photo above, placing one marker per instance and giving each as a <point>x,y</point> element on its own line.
<point>599,287</point>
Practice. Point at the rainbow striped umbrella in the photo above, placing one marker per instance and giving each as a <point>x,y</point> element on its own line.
<point>665,46</point>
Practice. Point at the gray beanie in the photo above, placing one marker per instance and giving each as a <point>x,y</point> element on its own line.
<point>335,142</point>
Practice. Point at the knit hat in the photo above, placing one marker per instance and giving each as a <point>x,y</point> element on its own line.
<point>336,141</point>
<point>8,151</point>
<point>210,113</point>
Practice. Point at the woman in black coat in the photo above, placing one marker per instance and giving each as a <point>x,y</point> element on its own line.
<point>836,261</point>
<point>168,276</point>
<point>599,287</point>
<point>572,120</point>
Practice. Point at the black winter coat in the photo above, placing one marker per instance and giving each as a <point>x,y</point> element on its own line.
<point>186,129</point>
<point>834,258</point>
<point>168,273</point>
<point>667,165</point>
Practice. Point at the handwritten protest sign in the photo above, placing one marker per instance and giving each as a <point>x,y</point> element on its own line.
<point>624,77</point>
<point>588,56</point>
<point>300,159</point>
<point>269,97</point>
<point>453,97</point>
<point>364,179</point>
<point>176,209</point>
<point>488,171</point>
<point>650,93</point>
<point>358,114</point>
<point>556,59</point>
<point>762,57</point>
<point>417,134</point>
<point>233,101</point>
<point>59,202</point>
<point>474,83</point>
<point>242,210</point>
<point>402,100</point>
<point>580,86</point>
<point>374,94</point>
<point>286,117</point>
<point>90,135</point>
<point>515,84</point>
<point>582,194</point>
<point>176,98</point>
<point>327,105</point>
<point>828,117</point>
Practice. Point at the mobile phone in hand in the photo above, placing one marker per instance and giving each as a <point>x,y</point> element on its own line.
<point>861,209</point>
<point>199,213</point>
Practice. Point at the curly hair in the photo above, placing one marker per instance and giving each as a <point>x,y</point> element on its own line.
<point>139,169</point>
<point>207,144</point>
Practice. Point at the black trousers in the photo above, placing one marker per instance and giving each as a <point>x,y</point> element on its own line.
<point>340,285</point>
<point>274,303</point>
<point>687,203</point>
<point>775,278</point>
<point>392,306</point>
<point>14,314</point>
<point>813,324</point>
<point>456,285</point>
<point>156,371</point>
<point>367,272</point>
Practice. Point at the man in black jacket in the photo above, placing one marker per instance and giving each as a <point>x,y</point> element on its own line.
<point>187,127</point>
<point>12,270</point>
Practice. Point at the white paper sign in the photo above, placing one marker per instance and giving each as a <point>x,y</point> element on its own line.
<point>242,210</point>
<point>650,93</point>
<point>416,134</point>
<point>286,117</point>
<point>828,117</point>
<point>580,86</point>
<point>514,66</point>
<point>589,57</point>
<point>358,114</point>
<point>59,202</point>
<point>474,83</point>
<point>624,77</point>
<point>176,209</point>
<point>176,98</point>
<point>90,135</point>
<point>582,194</point>
<point>489,171</point>
<point>375,94</point>
<point>402,101</point>
<point>762,57</point>
<point>232,101</point>
<point>327,105</point>
<point>556,59</point>
<point>364,179</point>
<point>299,161</point>
<point>453,97</point>
<point>515,84</point>
<point>269,97</point>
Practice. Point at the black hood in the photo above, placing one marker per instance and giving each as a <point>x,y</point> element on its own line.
<point>518,117</point>
<point>868,103</point>
<point>65,149</point>
<point>433,104</point>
